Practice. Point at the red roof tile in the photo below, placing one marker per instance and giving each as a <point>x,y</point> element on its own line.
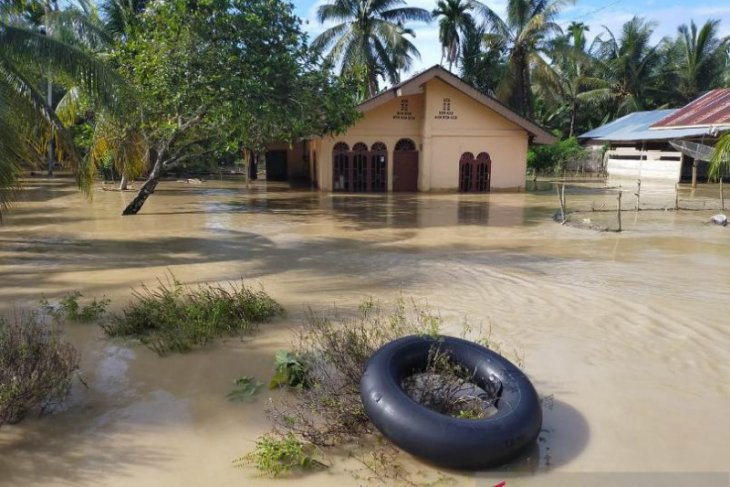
<point>712,108</point>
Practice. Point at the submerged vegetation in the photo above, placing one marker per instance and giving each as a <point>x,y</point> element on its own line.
<point>245,389</point>
<point>325,409</point>
<point>36,367</point>
<point>278,455</point>
<point>69,308</point>
<point>172,317</point>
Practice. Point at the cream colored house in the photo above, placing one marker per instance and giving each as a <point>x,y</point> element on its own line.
<point>432,132</point>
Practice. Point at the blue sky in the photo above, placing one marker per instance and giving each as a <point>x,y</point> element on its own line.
<point>668,14</point>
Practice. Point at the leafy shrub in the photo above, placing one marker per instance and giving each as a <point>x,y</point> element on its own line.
<point>176,318</point>
<point>290,371</point>
<point>555,158</point>
<point>69,309</point>
<point>36,367</point>
<point>277,455</point>
<point>329,411</point>
<point>245,389</point>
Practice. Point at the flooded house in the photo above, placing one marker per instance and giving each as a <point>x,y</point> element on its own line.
<point>668,146</point>
<point>432,132</point>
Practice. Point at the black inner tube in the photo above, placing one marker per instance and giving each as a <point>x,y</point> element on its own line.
<point>442,439</point>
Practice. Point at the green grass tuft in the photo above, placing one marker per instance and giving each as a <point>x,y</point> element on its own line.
<point>276,455</point>
<point>175,318</point>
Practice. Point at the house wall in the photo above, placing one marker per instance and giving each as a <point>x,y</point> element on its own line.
<point>633,163</point>
<point>444,123</point>
<point>469,127</point>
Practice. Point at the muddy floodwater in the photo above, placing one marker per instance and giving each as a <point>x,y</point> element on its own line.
<point>627,334</point>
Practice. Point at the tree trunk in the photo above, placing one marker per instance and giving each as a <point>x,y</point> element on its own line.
<point>123,183</point>
<point>147,188</point>
<point>572,119</point>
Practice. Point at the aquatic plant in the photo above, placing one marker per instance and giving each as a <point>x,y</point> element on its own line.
<point>36,367</point>
<point>245,389</point>
<point>172,317</point>
<point>290,370</point>
<point>69,309</point>
<point>334,350</point>
<point>276,455</point>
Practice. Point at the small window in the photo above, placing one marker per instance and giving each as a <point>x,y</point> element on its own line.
<point>360,147</point>
<point>340,147</point>
<point>405,145</point>
<point>378,147</point>
<point>446,106</point>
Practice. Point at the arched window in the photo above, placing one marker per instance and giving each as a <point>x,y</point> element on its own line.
<point>405,145</point>
<point>483,172</point>
<point>341,168</point>
<point>378,167</point>
<point>466,167</point>
<point>475,174</point>
<point>359,147</point>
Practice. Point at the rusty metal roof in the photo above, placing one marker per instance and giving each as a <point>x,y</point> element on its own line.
<point>711,109</point>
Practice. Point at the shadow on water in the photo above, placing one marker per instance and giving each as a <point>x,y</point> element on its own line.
<point>565,434</point>
<point>255,256</point>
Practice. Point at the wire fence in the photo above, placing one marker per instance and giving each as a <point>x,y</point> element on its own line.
<point>577,200</point>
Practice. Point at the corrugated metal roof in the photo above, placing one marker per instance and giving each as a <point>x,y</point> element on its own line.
<point>635,126</point>
<point>713,108</point>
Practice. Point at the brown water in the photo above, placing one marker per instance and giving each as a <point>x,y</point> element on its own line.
<point>628,332</point>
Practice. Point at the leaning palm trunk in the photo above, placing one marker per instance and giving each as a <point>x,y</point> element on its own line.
<point>149,185</point>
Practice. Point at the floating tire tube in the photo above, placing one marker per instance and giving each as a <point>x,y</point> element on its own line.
<point>464,444</point>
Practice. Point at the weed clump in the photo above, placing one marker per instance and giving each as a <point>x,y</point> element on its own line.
<point>336,352</point>
<point>175,318</point>
<point>69,308</point>
<point>36,367</point>
<point>274,456</point>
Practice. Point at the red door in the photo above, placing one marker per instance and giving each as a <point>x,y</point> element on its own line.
<point>405,171</point>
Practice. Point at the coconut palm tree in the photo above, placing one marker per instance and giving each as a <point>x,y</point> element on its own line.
<point>482,59</point>
<point>626,69</point>
<point>455,20</point>
<point>369,33</point>
<point>526,29</point>
<point>27,120</point>
<point>719,166</point>
<point>569,75</point>
<point>702,58</point>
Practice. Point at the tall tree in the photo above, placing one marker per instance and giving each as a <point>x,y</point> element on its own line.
<point>702,58</point>
<point>27,120</point>
<point>568,76</point>
<point>482,59</point>
<point>368,34</point>
<point>528,26</point>
<point>626,69</point>
<point>455,20</point>
<point>215,75</point>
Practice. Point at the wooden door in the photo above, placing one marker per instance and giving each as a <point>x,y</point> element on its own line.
<point>276,167</point>
<point>405,171</point>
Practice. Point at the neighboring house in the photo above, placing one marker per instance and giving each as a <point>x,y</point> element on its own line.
<point>652,145</point>
<point>432,132</point>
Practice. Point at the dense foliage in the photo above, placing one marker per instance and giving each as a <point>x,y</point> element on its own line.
<point>36,367</point>
<point>137,88</point>
<point>555,158</point>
